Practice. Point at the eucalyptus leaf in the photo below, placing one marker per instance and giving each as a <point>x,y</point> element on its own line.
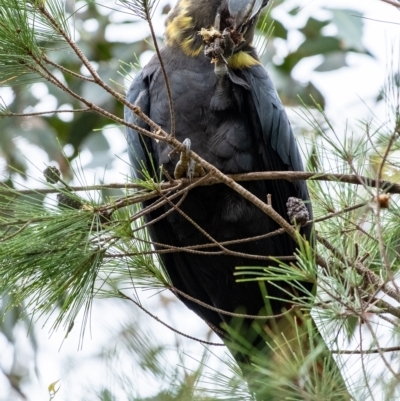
<point>312,28</point>
<point>332,61</point>
<point>349,25</point>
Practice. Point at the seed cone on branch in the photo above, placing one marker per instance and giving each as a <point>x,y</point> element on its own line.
<point>65,200</point>
<point>297,211</point>
<point>52,174</point>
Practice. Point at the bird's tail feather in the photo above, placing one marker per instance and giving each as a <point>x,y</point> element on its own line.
<point>289,360</point>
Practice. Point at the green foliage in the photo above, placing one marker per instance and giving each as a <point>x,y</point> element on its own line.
<point>42,40</point>
<point>25,35</point>
<point>141,8</point>
<point>48,256</point>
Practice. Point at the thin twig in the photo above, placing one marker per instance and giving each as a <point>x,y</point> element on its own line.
<point>224,312</point>
<point>369,275</point>
<point>164,72</point>
<point>385,361</point>
<point>204,232</point>
<point>66,70</point>
<point>387,319</point>
<point>41,113</point>
<point>224,243</point>
<point>162,216</point>
<point>366,381</point>
<point>2,239</point>
<point>381,243</point>
<point>392,2</point>
<point>97,79</point>
<point>387,186</point>
<point>167,325</point>
<point>131,200</point>
<point>340,212</point>
<point>368,351</point>
<point>161,202</point>
<point>386,307</point>
<point>194,250</point>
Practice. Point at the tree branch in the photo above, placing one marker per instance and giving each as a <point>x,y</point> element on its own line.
<point>391,2</point>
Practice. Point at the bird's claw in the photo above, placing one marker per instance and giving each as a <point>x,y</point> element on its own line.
<point>187,143</point>
<point>186,166</point>
<point>219,47</point>
<point>191,169</point>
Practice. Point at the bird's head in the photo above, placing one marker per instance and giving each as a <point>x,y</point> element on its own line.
<point>188,17</point>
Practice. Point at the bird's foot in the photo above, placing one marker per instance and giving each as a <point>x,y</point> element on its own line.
<point>195,170</point>
<point>183,164</point>
<point>187,167</point>
<point>219,47</point>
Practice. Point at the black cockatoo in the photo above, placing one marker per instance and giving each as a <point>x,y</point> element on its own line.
<point>227,109</point>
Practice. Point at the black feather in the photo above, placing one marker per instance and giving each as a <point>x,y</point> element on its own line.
<point>239,126</point>
<point>252,136</point>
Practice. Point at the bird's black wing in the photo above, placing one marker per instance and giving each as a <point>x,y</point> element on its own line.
<point>140,148</point>
<point>278,146</point>
<point>143,154</point>
<point>210,278</point>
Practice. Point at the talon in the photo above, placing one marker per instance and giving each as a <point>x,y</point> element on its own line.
<point>191,170</point>
<point>194,170</point>
<point>181,168</point>
<point>229,43</point>
<point>187,143</point>
<point>179,171</point>
<point>187,167</point>
<point>199,170</point>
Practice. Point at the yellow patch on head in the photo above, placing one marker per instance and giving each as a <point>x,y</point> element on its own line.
<point>187,47</point>
<point>181,31</point>
<point>184,4</point>
<point>176,26</point>
<point>184,22</point>
<point>241,60</point>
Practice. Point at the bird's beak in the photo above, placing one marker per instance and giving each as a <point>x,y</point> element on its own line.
<point>243,11</point>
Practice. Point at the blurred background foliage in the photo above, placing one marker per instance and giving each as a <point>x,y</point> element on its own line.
<point>332,38</point>
<point>97,27</point>
<point>115,42</point>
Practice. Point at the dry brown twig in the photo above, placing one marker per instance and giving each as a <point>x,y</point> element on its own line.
<point>387,186</point>
<point>392,3</point>
<point>123,296</point>
<point>378,208</point>
<point>370,277</point>
<point>366,351</point>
